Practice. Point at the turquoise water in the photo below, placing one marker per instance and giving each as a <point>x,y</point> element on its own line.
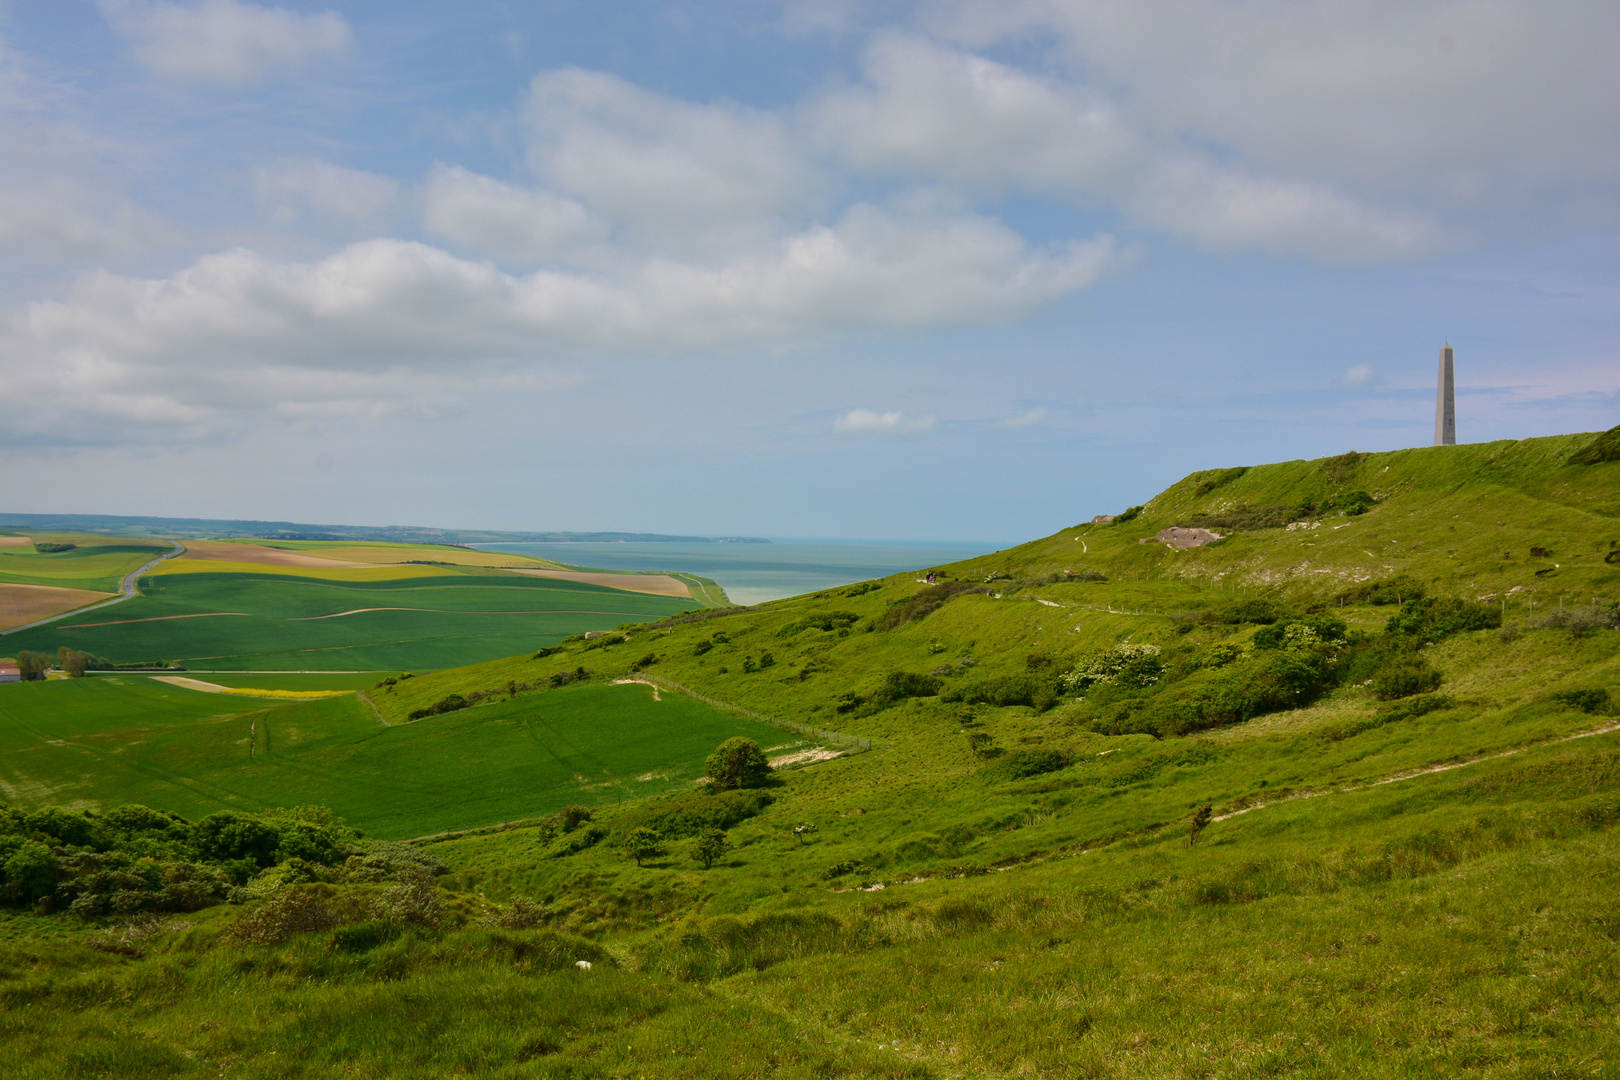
<point>754,573</point>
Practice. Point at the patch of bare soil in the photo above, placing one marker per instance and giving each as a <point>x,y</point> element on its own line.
<point>225,551</point>
<point>805,757</point>
<point>22,604</point>
<point>15,541</point>
<point>640,682</point>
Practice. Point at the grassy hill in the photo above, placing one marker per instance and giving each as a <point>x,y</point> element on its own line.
<point>1407,866</point>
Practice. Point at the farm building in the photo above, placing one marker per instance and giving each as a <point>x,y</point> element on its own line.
<point>9,673</point>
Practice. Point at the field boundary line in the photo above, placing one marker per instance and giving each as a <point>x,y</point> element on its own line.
<point>361,694</point>
<point>857,743</point>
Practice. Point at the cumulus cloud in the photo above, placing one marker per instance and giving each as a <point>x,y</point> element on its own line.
<point>867,422</point>
<point>328,189</point>
<point>1031,418</point>
<point>927,113</point>
<point>375,323</point>
<point>680,177</point>
<point>507,222</point>
<point>225,42</point>
<point>1468,109</point>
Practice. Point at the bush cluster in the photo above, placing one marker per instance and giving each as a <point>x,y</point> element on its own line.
<point>136,859</point>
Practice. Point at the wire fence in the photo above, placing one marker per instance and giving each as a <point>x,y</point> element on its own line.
<point>856,743</point>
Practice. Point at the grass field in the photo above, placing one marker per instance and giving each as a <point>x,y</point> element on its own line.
<point>281,622</point>
<point>114,739</point>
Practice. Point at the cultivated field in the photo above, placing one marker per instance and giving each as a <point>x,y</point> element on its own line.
<point>94,564</point>
<point>108,740</point>
<point>23,604</point>
<point>284,622</point>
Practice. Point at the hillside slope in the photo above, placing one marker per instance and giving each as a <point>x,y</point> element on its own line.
<point>1406,867</point>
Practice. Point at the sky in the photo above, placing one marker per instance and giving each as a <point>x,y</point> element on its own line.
<point>932,270</point>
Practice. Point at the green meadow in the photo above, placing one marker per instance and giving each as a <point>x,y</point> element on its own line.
<point>1344,805</point>
<point>108,740</point>
<point>283,622</point>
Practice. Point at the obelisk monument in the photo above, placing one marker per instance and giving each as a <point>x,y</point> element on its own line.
<point>1445,402</point>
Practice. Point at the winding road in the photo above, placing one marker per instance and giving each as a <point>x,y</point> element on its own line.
<point>127,591</point>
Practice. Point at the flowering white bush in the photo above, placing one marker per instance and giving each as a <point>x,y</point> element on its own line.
<point>1106,667</point>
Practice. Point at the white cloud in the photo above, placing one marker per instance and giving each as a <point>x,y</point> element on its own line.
<point>60,218</point>
<point>223,41</point>
<point>483,214</point>
<point>1031,418</point>
<point>1358,375</point>
<point>379,324</point>
<point>1473,110</point>
<point>329,189</point>
<point>929,113</point>
<point>678,177</point>
<point>867,422</point>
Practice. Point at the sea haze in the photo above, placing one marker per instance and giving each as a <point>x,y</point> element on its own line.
<point>754,573</point>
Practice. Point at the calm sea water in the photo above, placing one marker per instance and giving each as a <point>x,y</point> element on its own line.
<point>754,573</point>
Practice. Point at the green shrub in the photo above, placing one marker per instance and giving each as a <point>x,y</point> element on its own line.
<point>1131,513</point>
<point>1037,691</point>
<point>573,816</point>
<point>1416,677</point>
<point>1595,701</point>
<point>48,548</point>
<point>1025,763</point>
<point>1254,610</point>
<point>1435,618</point>
<point>30,872</point>
<point>737,763</point>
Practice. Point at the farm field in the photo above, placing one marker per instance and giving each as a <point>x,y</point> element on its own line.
<point>94,564</point>
<point>109,740</point>
<point>285,622</point>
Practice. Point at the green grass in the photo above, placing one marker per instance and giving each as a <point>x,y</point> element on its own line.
<point>97,566</point>
<point>276,621</point>
<point>107,740</point>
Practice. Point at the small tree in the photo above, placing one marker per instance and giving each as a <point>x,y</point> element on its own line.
<point>737,763</point>
<point>643,843</point>
<point>1200,822</point>
<point>802,829</point>
<point>547,831</point>
<point>709,846</point>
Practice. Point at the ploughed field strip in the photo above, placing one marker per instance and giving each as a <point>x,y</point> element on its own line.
<point>281,621</point>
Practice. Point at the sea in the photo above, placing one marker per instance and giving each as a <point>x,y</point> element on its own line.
<point>755,573</point>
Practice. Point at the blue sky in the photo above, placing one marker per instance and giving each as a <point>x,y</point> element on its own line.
<point>923,270</point>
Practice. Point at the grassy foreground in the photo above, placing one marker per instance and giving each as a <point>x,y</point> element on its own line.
<point>1408,868</point>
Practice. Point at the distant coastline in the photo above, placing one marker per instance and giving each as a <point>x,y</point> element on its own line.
<point>192,528</point>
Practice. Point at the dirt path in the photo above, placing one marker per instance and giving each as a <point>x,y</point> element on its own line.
<point>1409,774</point>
